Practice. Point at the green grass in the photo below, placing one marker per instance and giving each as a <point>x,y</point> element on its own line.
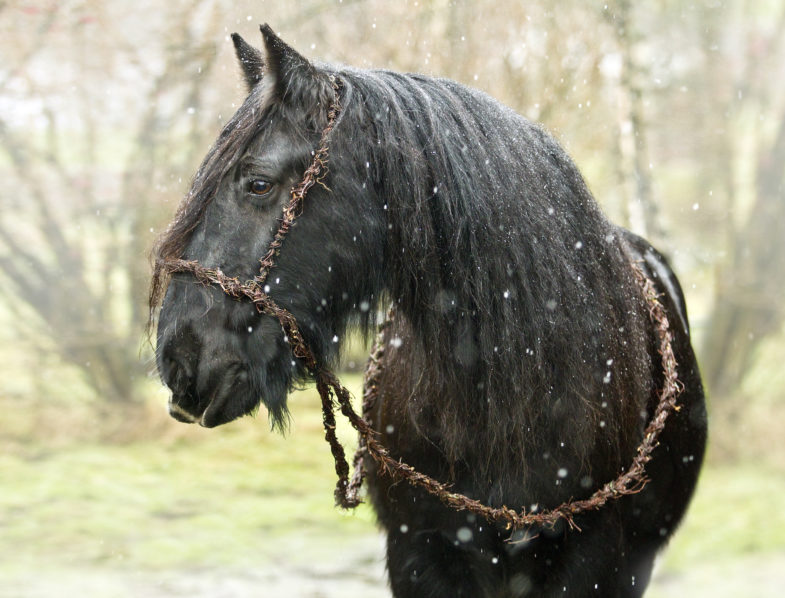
<point>181,499</point>
<point>185,498</point>
<point>736,512</point>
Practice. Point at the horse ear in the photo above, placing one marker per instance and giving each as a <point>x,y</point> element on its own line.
<point>289,68</point>
<point>251,61</point>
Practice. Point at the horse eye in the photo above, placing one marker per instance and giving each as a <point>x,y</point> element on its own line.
<point>261,187</point>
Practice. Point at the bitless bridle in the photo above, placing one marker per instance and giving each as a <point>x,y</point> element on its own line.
<point>333,394</point>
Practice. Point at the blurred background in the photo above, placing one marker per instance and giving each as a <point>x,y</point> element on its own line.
<point>674,111</point>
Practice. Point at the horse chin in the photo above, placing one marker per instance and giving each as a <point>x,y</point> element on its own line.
<point>218,413</point>
<point>246,400</point>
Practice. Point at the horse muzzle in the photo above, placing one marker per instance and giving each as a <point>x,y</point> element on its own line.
<point>210,385</point>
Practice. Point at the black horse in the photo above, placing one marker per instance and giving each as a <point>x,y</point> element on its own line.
<point>520,366</point>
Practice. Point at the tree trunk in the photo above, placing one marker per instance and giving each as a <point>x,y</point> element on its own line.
<point>748,303</point>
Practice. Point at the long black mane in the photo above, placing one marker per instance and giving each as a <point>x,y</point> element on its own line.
<point>495,244</point>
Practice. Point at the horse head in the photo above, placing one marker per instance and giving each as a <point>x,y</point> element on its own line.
<point>221,357</point>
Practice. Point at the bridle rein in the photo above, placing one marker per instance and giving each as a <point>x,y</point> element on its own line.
<point>333,394</point>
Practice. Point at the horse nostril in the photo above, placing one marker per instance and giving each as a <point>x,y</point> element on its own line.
<point>178,365</point>
<point>176,374</point>
<point>184,403</point>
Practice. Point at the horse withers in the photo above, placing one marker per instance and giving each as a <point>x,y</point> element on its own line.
<point>519,366</point>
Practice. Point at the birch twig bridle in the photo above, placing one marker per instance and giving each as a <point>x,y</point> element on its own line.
<point>334,395</point>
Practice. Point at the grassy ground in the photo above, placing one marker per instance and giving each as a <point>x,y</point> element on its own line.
<point>239,511</point>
